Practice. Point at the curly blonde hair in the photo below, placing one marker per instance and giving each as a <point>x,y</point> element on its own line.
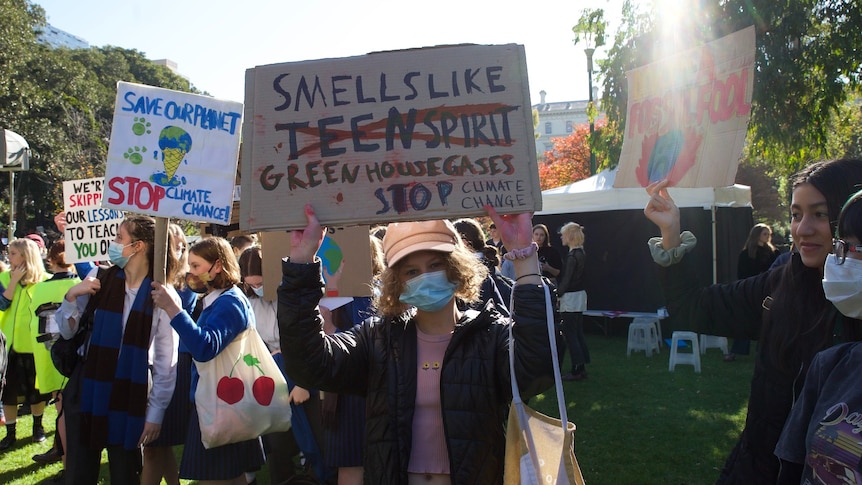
<point>462,268</point>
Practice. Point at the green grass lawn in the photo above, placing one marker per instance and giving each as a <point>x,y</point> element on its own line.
<point>637,423</point>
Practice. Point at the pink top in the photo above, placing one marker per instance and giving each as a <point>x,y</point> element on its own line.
<point>428,453</point>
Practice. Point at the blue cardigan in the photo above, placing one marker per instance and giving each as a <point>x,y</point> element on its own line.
<point>219,323</point>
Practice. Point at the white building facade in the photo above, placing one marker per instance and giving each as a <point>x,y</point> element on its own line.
<point>558,119</point>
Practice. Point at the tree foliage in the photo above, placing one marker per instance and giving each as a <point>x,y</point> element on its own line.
<point>808,59</point>
<point>568,161</point>
<point>62,102</point>
<point>590,28</point>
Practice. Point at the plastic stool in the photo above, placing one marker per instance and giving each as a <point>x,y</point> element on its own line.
<point>688,358</point>
<point>713,342</point>
<point>653,321</point>
<point>642,336</point>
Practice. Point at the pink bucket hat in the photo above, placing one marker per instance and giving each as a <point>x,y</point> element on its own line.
<point>405,238</point>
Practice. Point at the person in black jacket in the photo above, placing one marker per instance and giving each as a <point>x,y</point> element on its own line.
<point>784,308</point>
<point>573,301</point>
<point>757,256</point>
<point>436,380</point>
<point>550,261</point>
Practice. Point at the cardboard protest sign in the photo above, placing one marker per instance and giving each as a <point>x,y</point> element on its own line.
<point>688,114</point>
<point>347,246</point>
<point>429,133</point>
<point>89,227</point>
<point>172,154</point>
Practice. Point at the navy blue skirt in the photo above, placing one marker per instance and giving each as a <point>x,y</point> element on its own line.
<point>344,443</point>
<point>220,463</point>
<point>175,426</point>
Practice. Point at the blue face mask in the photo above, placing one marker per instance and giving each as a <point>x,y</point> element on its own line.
<point>258,291</point>
<point>115,254</point>
<point>429,292</point>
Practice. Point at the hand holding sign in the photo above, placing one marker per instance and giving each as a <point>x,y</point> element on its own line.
<point>60,222</point>
<point>304,243</point>
<point>664,213</point>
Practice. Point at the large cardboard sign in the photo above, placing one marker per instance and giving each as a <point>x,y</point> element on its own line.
<point>429,133</point>
<point>172,154</point>
<point>89,227</point>
<point>347,246</point>
<point>688,114</point>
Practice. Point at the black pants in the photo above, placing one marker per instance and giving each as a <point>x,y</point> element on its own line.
<point>83,462</point>
<point>573,333</point>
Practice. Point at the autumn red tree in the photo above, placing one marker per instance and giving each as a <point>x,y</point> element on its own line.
<point>568,161</point>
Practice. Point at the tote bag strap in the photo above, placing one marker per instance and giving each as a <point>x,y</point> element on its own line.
<point>516,395</point>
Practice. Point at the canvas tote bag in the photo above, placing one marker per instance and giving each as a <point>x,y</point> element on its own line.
<point>539,448</point>
<point>241,393</point>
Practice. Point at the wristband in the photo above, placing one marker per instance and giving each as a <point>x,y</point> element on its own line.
<point>522,253</point>
<point>526,275</point>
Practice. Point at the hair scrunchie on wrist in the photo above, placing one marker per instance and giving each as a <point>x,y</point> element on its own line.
<point>522,253</point>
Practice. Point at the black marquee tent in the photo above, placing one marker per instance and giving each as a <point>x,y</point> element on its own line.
<point>620,274</point>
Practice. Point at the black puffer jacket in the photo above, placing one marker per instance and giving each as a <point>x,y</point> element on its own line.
<point>378,360</point>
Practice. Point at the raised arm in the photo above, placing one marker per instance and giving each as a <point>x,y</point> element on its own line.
<point>516,231</point>
<point>664,213</point>
<point>304,243</point>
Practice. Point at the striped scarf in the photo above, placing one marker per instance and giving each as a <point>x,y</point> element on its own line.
<point>114,391</point>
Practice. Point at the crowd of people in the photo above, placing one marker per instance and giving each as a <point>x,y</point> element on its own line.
<point>412,384</point>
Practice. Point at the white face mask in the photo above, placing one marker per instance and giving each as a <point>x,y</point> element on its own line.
<point>842,284</point>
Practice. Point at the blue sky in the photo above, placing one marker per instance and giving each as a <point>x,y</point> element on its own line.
<point>214,42</point>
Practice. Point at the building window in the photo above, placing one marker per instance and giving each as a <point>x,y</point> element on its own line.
<point>548,129</point>
<point>549,147</point>
<point>568,126</point>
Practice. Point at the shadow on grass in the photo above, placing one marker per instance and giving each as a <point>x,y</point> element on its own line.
<point>638,423</point>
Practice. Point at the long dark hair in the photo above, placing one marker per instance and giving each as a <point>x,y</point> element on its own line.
<point>752,243</point>
<point>474,237</point>
<point>800,320</point>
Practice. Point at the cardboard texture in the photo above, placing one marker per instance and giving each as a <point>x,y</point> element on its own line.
<point>349,246</point>
<point>89,228</point>
<point>172,154</point>
<point>430,133</point>
<point>687,115</point>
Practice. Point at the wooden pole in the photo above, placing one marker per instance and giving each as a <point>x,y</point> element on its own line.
<point>160,249</point>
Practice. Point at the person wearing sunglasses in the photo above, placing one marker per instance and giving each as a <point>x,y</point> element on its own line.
<point>820,442</point>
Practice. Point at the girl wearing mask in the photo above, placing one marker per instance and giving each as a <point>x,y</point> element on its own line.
<point>436,379</point>
<point>117,397</point>
<point>820,441</point>
<point>784,308</point>
<point>214,273</point>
